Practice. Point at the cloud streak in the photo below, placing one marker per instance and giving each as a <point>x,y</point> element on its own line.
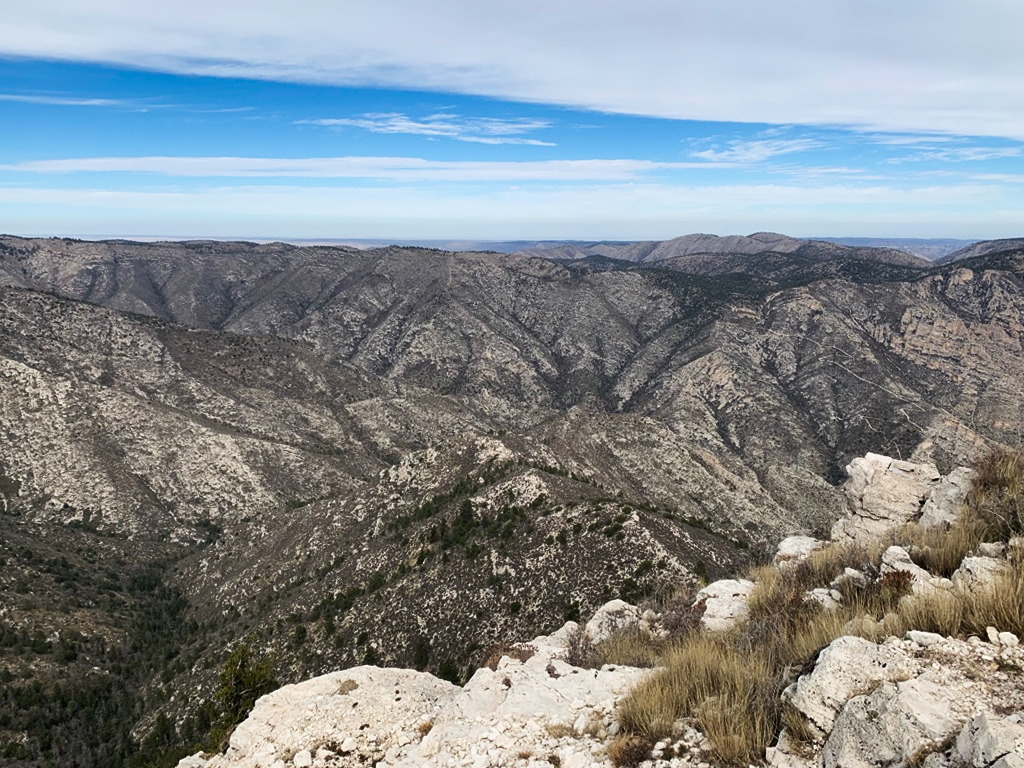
<point>481,130</point>
<point>64,101</point>
<point>756,151</point>
<point>933,66</point>
<point>391,168</point>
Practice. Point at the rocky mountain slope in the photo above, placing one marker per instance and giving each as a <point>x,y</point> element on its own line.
<point>983,248</point>
<point>732,246</point>
<point>919,699</point>
<point>407,456</point>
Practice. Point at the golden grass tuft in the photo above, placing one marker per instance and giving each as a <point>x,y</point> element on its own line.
<point>629,751</point>
<point>997,494</point>
<point>629,647</point>
<point>723,687</point>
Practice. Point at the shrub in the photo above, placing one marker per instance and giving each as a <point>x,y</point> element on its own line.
<point>244,678</point>
<point>629,751</point>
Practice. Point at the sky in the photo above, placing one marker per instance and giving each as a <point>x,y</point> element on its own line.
<point>470,119</point>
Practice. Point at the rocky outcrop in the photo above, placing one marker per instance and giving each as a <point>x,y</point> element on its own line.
<point>884,493</point>
<point>610,618</point>
<point>724,604</point>
<point>795,549</point>
<point>532,708</point>
<point>902,700</point>
<point>946,499</point>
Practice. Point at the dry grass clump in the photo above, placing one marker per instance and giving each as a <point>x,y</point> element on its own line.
<point>940,551</point>
<point>723,687</point>
<point>629,751</point>
<point>730,683</point>
<point>997,494</point>
<point>961,612</point>
<point>629,647</point>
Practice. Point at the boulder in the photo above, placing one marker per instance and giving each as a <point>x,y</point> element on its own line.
<point>924,639</point>
<point>893,723</point>
<point>844,669</point>
<point>826,598</point>
<point>852,577</point>
<point>794,549</point>
<point>725,603</point>
<point>610,618</point>
<point>942,507</point>
<point>883,494</point>
<point>986,738</point>
<point>980,573</point>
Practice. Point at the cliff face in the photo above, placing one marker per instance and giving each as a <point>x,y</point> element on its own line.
<point>352,441</point>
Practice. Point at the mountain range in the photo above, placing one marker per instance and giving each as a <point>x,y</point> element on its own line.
<point>407,456</point>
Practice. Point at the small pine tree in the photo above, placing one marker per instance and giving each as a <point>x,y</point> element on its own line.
<point>243,679</point>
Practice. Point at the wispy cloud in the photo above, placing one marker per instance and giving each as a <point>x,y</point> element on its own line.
<point>65,101</point>
<point>392,168</point>
<point>481,130</point>
<point>959,154</point>
<point>757,150</point>
<point>909,140</point>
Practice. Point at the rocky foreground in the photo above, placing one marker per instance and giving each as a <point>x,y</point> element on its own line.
<point>917,700</point>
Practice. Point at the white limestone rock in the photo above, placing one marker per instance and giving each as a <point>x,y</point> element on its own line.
<point>924,639</point>
<point>725,603</point>
<point>828,599</point>
<point>992,549</point>
<point>341,708</point>
<point>843,670</point>
<point>850,576</point>
<point>979,573</point>
<point>987,738</point>
<point>533,703</point>
<point>794,549</point>
<point>892,723</point>
<point>612,617</point>
<point>883,493</point>
<point>942,507</point>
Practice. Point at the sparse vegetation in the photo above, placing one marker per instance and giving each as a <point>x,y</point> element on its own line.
<point>729,683</point>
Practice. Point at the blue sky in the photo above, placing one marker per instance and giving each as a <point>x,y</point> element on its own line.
<point>565,119</point>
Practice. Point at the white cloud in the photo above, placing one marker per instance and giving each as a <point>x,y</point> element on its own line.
<point>755,151</point>
<point>964,154</point>
<point>933,66</point>
<point>482,130</point>
<point>392,168</point>
<point>65,101</point>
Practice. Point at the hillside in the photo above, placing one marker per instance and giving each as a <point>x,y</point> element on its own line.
<point>731,247</point>
<point>406,456</point>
